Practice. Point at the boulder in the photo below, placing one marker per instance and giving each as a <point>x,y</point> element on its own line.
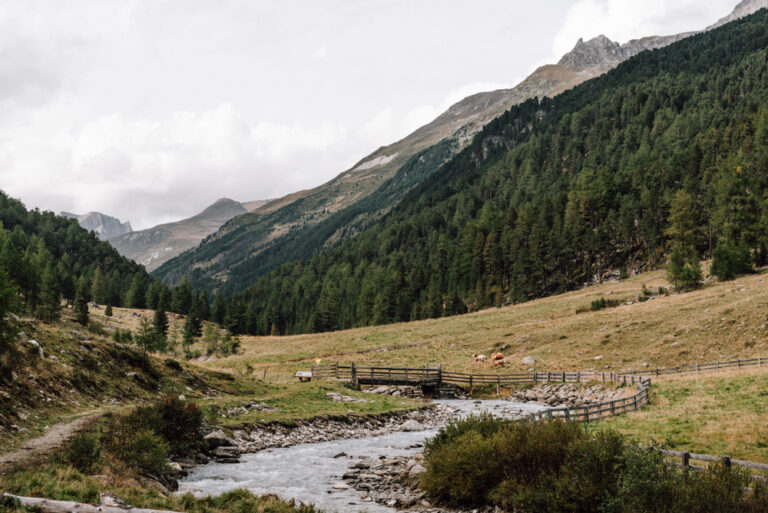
<point>529,360</point>
<point>340,486</point>
<point>416,470</point>
<point>35,344</point>
<point>217,438</point>
<point>412,425</point>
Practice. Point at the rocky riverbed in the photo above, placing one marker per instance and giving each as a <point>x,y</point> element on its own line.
<point>570,394</point>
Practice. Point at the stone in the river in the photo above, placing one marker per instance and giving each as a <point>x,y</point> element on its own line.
<point>412,425</point>
<point>340,486</point>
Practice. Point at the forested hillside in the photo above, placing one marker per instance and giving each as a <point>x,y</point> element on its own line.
<point>311,238</point>
<point>44,257</point>
<point>670,148</point>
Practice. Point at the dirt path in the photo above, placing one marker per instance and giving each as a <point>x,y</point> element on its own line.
<point>38,448</point>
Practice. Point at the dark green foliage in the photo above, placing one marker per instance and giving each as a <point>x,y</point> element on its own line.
<point>681,274</point>
<point>80,304</point>
<point>136,295</point>
<point>558,467</point>
<point>729,261</point>
<point>147,337</point>
<point>31,240</point>
<point>49,307</point>
<point>82,452</point>
<point>660,152</point>
<point>141,450</point>
<point>160,321</point>
<point>219,310</point>
<point>182,298</point>
<point>108,310</point>
<point>8,329</point>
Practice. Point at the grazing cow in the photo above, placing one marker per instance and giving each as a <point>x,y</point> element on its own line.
<point>500,363</point>
<point>497,356</point>
<point>480,358</point>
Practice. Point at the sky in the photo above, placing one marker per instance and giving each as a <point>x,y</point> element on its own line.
<point>151,110</point>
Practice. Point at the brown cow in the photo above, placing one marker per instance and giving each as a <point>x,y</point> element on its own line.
<point>480,357</point>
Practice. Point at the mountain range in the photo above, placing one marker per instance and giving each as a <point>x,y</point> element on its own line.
<point>305,223</point>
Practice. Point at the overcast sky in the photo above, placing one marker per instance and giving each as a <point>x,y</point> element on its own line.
<point>151,110</point>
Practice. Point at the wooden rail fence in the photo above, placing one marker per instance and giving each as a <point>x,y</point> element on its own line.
<point>436,376</point>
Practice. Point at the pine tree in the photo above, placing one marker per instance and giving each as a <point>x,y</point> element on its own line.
<point>7,303</point>
<point>136,293</point>
<point>108,310</point>
<point>203,307</point>
<point>182,300</point>
<point>98,287</point>
<point>675,267</point>
<point>49,308</point>
<point>146,336</point>
<point>219,310</point>
<point>80,304</point>
<point>160,321</point>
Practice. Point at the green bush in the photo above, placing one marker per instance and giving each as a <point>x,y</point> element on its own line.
<point>729,261</point>
<point>559,467</point>
<point>82,452</point>
<point>140,450</point>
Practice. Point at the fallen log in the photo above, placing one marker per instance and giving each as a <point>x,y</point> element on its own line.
<point>49,506</point>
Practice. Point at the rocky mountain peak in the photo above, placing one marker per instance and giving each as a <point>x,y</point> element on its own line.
<point>105,226</point>
<point>594,53</point>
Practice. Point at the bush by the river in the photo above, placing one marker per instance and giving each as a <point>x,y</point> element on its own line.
<point>560,467</point>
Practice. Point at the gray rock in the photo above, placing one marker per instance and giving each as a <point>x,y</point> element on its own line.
<point>529,360</point>
<point>412,425</point>
<point>34,343</point>
<point>416,470</point>
<point>217,438</point>
<point>340,486</point>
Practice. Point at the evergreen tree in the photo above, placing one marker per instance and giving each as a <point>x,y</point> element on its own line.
<point>98,287</point>
<point>8,331</point>
<point>80,304</point>
<point>49,308</point>
<point>136,293</point>
<point>219,310</point>
<point>108,310</point>
<point>203,307</point>
<point>160,321</point>
<point>182,300</point>
<point>729,261</point>
<point>147,338</point>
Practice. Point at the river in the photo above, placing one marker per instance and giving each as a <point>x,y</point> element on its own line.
<point>306,472</point>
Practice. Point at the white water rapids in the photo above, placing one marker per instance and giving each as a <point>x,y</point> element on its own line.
<point>306,472</point>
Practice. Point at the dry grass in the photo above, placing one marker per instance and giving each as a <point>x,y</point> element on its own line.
<point>721,413</point>
<point>720,321</point>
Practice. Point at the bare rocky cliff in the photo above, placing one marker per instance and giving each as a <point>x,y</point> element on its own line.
<point>105,226</point>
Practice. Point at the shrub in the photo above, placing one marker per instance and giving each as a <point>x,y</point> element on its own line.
<point>137,447</point>
<point>82,452</point>
<point>729,261</point>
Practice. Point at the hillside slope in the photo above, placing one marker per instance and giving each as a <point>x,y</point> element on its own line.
<point>154,246</point>
<point>232,256</point>
<point>669,147</point>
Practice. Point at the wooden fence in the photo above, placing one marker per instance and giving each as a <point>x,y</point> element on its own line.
<point>703,367</point>
<point>685,459</point>
<point>435,377</point>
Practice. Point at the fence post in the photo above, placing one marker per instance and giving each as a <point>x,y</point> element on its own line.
<point>336,370</point>
<point>354,374</point>
<point>470,380</point>
<point>697,367</point>
<point>686,461</point>
<point>758,361</point>
<point>727,461</point>
<point>564,373</point>
<point>498,384</point>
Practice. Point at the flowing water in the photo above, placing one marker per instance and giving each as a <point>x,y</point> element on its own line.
<point>306,472</point>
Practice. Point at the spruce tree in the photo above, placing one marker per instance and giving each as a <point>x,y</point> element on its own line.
<point>8,330</point>
<point>219,310</point>
<point>182,297</point>
<point>203,307</point>
<point>160,321</point>
<point>108,310</point>
<point>136,293</point>
<point>146,337</point>
<point>49,308</point>
<point>80,304</point>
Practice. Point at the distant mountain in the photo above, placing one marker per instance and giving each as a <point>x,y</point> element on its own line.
<point>153,246</point>
<point>240,249</point>
<point>105,226</point>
